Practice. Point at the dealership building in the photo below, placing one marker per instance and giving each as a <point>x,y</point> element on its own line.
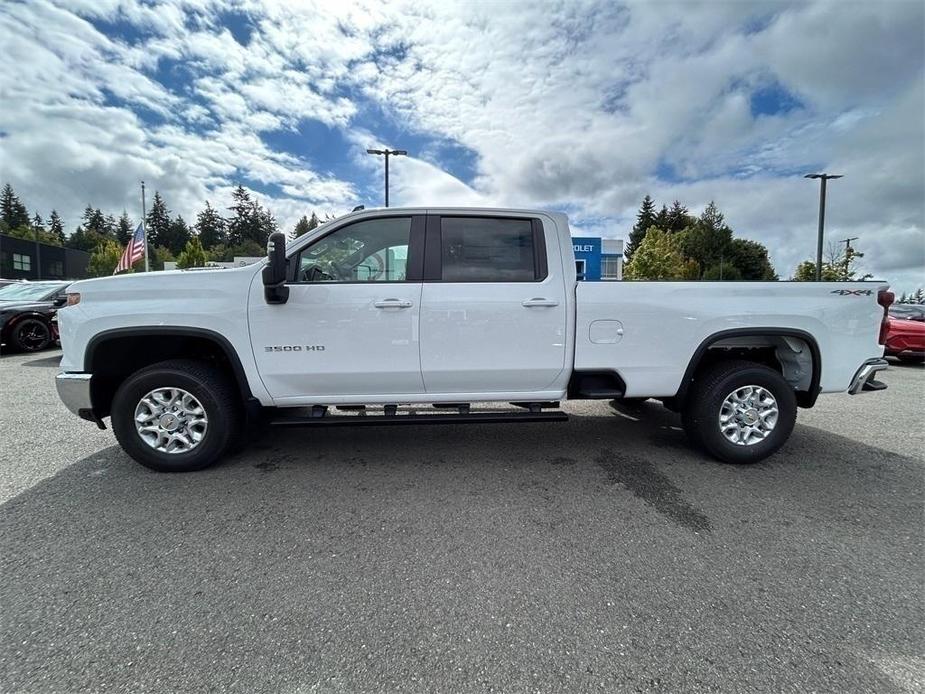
<point>598,259</point>
<point>22,259</point>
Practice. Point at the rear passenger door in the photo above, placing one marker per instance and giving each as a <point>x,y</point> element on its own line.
<point>493,312</point>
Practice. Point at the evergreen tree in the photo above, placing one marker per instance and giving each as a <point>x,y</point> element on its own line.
<point>918,297</point>
<point>13,214</point>
<point>124,230</point>
<point>266,223</point>
<point>661,219</point>
<point>677,218</point>
<point>301,227</point>
<point>158,222</point>
<point>242,223</point>
<point>211,227</point>
<point>708,240</point>
<point>305,225</point>
<point>55,227</point>
<point>193,255</point>
<point>751,260</point>
<point>110,226</point>
<point>37,222</point>
<point>95,222</point>
<point>250,222</point>
<point>712,218</point>
<point>177,236</point>
<point>645,218</point>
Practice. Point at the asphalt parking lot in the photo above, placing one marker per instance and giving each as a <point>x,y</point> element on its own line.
<point>597,555</point>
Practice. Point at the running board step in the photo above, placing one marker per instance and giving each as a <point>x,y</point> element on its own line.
<point>414,418</point>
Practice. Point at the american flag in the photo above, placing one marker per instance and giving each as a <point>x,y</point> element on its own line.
<point>134,251</point>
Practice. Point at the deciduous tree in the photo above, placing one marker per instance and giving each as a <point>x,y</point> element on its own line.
<point>657,258</point>
<point>104,258</point>
<point>193,255</point>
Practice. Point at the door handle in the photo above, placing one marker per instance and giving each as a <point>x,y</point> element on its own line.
<point>537,301</point>
<point>393,303</point>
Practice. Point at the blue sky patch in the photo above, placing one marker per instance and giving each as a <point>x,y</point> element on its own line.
<point>773,100</point>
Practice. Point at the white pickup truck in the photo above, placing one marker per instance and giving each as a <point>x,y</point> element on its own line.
<point>408,316</point>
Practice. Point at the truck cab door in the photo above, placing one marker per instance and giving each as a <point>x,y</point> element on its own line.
<point>494,310</point>
<point>350,327</point>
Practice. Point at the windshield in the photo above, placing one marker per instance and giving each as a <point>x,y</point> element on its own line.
<point>28,292</point>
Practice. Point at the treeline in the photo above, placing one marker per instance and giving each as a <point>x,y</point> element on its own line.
<point>213,237</point>
<point>672,244</point>
<point>243,232</point>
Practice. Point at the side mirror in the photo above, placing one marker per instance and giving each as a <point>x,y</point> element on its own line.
<point>275,290</point>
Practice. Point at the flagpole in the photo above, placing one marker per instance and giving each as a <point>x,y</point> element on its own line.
<point>144,229</point>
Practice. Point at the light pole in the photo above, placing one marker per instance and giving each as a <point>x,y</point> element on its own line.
<point>823,177</point>
<point>388,153</point>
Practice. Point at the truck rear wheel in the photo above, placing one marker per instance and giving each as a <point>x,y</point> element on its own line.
<point>739,411</point>
<point>176,416</point>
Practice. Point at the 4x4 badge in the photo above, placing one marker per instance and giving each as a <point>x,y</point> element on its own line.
<point>853,292</point>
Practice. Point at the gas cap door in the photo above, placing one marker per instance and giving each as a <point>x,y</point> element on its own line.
<point>606,332</point>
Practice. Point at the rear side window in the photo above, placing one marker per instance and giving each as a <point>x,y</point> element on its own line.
<point>484,249</point>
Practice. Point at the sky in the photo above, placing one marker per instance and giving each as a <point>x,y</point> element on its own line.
<point>580,107</point>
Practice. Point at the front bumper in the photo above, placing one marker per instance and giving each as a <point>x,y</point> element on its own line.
<point>864,379</point>
<point>74,391</point>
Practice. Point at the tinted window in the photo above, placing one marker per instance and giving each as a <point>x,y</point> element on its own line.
<point>487,250</point>
<point>375,250</point>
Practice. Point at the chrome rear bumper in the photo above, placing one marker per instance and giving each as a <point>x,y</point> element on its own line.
<point>864,379</point>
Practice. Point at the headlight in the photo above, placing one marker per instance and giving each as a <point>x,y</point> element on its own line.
<point>73,298</point>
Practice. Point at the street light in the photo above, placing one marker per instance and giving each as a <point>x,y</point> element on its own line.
<point>823,177</point>
<point>388,153</point>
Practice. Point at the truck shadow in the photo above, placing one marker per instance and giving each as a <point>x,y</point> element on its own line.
<point>353,544</point>
<point>45,362</point>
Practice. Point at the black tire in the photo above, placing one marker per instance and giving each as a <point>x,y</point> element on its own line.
<point>209,385</point>
<point>31,335</point>
<point>712,386</point>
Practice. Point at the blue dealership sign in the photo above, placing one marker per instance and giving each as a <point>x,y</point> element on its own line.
<point>587,257</point>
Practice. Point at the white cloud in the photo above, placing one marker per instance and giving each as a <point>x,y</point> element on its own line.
<point>572,105</point>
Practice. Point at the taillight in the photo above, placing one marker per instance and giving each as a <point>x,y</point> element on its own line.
<point>885,298</point>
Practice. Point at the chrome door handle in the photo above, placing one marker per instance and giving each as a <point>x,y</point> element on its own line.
<point>536,301</point>
<point>393,303</point>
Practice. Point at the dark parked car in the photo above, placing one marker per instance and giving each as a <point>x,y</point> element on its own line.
<point>27,310</point>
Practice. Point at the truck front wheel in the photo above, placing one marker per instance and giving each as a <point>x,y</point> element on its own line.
<point>739,411</point>
<point>176,416</point>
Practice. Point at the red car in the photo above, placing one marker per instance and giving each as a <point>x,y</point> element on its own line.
<point>905,335</point>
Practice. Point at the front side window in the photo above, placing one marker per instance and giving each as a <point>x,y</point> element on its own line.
<point>375,250</point>
<point>482,249</point>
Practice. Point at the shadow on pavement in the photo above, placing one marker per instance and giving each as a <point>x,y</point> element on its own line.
<point>45,362</point>
<point>574,556</point>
